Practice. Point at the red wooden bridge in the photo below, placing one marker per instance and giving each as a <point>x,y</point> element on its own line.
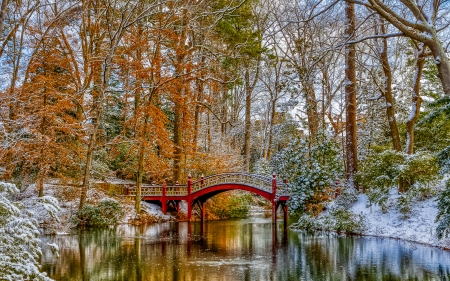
<point>197,192</point>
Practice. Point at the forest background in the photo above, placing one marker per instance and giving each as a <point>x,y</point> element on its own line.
<point>156,90</point>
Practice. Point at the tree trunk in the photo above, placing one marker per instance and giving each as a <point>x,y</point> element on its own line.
<point>387,92</point>
<point>42,162</point>
<point>272,120</point>
<point>140,171</point>
<point>390,102</point>
<point>224,115</point>
<point>248,105</point>
<point>442,62</point>
<point>2,16</point>
<point>350,99</point>
<point>208,133</point>
<point>416,101</point>
<point>198,108</point>
<point>177,139</point>
<point>311,111</point>
<point>89,155</point>
<point>40,183</point>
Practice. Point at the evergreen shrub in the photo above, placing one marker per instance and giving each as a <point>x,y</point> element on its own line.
<point>311,168</point>
<point>443,216</point>
<point>338,218</point>
<point>106,212</point>
<point>381,171</point>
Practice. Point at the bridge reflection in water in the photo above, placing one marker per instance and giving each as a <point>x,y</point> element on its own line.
<point>247,249</point>
<point>197,192</point>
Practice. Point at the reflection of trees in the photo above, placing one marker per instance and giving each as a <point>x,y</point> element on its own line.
<point>323,257</point>
<point>251,250</point>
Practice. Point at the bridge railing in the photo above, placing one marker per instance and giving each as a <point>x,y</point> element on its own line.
<point>146,190</point>
<point>256,181</point>
<point>158,190</point>
<point>177,190</point>
<point>283,189</point>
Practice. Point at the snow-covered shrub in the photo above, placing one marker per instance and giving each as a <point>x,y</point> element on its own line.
<point>436,127</point>
<point>307,222</point>
<point>107,212</point>
<point>344,221</point>
<point>443,216</point>
<point>381,171</point>
<point>404,204</point>
<point>337,219</point>
<point>348,196</point>
<point>262,167</point>
<point>19,237</point>
<point>444,160</point>
<point>310,168</point>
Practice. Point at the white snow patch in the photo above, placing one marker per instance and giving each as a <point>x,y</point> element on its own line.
<point>419,227</point>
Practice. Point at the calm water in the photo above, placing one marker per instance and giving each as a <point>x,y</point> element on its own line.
<point>248,249</point>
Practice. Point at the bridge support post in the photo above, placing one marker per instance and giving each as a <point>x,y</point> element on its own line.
<point>274,212</point>
<point>285,215</point>
<point>188,199</point>
<point>163,198</point>
<point>202,210</point>
<point>274,201</point>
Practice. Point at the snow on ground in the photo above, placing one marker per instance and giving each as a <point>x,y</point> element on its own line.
<point>419,226</point>
<point>68,198</point>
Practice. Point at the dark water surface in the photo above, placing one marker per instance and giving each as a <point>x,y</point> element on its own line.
<point>247,249</point>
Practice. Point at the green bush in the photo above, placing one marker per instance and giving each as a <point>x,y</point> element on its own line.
<point>310,166</point>
<point>107,212</point>
<point>443,216</point>
<point>344,221</point>
<point>338,219</point>
<point>382,171</point>
<point>229,205</point>
<point>239,206</point>
<point>307,222</point>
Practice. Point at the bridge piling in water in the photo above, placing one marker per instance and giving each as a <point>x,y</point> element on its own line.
<point>189,199</point>
<point>274,199</point>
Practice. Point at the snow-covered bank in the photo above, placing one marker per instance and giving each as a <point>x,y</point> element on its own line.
<point>419,225</point>
<point>412,219</point>
<point>68,198</point>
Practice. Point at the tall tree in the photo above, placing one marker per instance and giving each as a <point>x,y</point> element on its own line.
<point>350,97</point>
<point>243,38</point>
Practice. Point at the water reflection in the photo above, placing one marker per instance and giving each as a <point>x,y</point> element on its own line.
<point>249,249</point>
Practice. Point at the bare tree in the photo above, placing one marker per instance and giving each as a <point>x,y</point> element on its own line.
<point>420,23</point>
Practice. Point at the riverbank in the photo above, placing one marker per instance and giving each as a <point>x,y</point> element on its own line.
<point>68,198</point>
<point>418,225</point>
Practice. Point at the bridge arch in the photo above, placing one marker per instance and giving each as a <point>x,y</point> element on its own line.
<point>206,193</point>
<point>197,192</point>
